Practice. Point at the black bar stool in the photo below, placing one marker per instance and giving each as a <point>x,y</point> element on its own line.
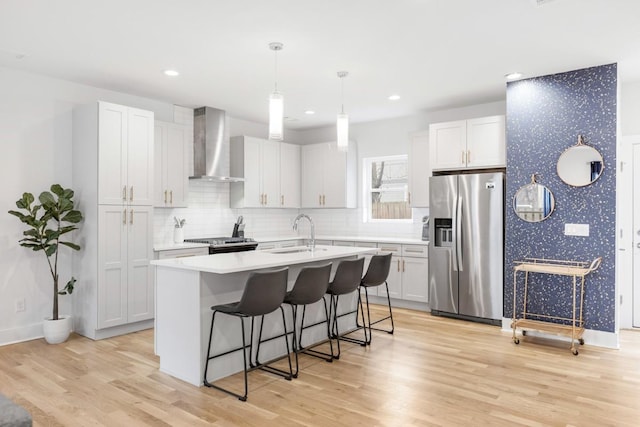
<point>377,274</point>
<point>264,293</point>
<point>346,280</point>
<point>309,288</point>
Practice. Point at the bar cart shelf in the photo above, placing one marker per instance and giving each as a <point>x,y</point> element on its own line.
<point>572,327</point>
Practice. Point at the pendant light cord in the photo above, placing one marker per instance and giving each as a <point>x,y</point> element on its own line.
<point>275,72</point>
<point>342,85</point>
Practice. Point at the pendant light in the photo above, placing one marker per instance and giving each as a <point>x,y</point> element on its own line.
<point>276,102</point>
<point>342,123</point>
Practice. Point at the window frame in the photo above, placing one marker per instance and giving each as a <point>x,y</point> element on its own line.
<point>367,190</point>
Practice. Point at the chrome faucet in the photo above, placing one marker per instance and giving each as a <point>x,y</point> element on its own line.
<point>312,240</point>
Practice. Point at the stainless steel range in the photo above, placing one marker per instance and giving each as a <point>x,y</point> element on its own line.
<point>220,245</point>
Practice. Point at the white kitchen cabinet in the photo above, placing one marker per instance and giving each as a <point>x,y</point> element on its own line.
<point>467,144</point>
<point>125,155</point>
<point>115,282</point>
<point>408,276</point>
<point>289,175</point>
<point>328,176</point>
<point>182,253</point>
<point>419,170</point>
<point>172,148</point>
<point>125,277</point>
<point>258,162</point>
<point>394,281</point>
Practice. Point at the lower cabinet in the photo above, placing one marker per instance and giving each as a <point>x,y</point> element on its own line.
<point>125,277</point>
<point>182,253</point>
<point>264,246</point>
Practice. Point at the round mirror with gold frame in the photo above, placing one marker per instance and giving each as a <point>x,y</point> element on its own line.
<point>580,165</point>
<point>533,202</point>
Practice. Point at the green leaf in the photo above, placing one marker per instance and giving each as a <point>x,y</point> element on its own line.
<point>68,289</point>
<point>73,216</point>
<point>47,199</point>
<point>71,245</point>
<point>65,204</point>
<point>67,229</point>
<point>20,215</point>
<point>57,190</point>
<point>51,249</point>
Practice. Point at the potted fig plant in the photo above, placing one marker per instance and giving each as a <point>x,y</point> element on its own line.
<point>50,220</point>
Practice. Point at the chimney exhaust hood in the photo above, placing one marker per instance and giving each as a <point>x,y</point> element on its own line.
<point>210,149</point>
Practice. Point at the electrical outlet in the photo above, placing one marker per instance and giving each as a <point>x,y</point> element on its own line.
<point>576,230</point>
<point>20,305</point>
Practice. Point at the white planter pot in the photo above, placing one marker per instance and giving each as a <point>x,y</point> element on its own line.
<point>178,235</point>
<point>57,331</point>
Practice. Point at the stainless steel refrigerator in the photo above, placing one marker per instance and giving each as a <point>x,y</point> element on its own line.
<point>466,248</point>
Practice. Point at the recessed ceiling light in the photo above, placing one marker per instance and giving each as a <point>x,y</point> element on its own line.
<point>309,112</point>
<point>394,97</point>
<point>171,73</point>
<point>513,76</point>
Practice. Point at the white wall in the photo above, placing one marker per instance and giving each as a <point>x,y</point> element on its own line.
<point>36,133</point>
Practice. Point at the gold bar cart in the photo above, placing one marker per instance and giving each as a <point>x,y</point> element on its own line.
<point>572,327</point>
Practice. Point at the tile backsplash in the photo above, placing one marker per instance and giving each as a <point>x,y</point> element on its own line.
<point>208,215</point>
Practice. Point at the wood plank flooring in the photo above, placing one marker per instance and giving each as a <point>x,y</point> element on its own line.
<point>432,372</point>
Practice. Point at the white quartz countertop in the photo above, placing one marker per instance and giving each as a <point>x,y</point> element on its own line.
<point>255,260</point>
<point>369,239</point>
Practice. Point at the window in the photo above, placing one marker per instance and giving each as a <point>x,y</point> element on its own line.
<point>386,186</point>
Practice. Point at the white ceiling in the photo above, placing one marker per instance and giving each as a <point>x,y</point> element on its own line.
<point>433,53</point>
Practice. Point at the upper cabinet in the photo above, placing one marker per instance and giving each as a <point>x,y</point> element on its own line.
<point>419,170</point>
<point>289,175</point>
<point>172,147</point>
<point>468,144</point>
<point>271,172</point>
<point>328,176</point>
<point>125,155</point>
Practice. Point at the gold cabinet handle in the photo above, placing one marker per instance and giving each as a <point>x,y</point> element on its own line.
<point>403,266</point>
<point>124,193</point>
<point>165,196</point>
<point>463,157</point>
<point>131,194</point>
<point>282,200</point>
<point>398,266</point>
<point>266,199</point>
<point>323,200</point>
<point>171,196</point>
<point>131,217</point>
<point>124,217</point>
<point>409,197</point>
<point>320,199</point>
<point>468,156</point>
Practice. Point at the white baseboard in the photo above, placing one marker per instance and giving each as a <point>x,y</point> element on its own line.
<point>21,334</point>
<point>590,336</point>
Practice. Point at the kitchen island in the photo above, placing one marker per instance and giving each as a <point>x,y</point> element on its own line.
<point>186,288</point>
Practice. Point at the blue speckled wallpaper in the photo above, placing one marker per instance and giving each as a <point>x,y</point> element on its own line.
<point>545,115</point>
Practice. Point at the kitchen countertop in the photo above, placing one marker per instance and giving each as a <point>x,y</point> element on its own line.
<point>254,260</point>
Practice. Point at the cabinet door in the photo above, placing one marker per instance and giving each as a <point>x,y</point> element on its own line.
<point>140,148</point>
<point>112,266</point>
<point>112,155</point>
<point>415,279</point>
<point>447,145</point>
<point>270,163</point>
<point>139,272</point>
<point>176,160</point>
<point>419,170</point>
<point>394,280</point>
<point>253,194</point>
<point>161,196</point>
<point>289,175</point>
<point>486,142</point>
<point>312,172</point>
<point>335,177</point>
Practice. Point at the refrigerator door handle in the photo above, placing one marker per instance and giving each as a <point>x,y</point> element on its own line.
<point>454,235</point>
<point>458,237</point>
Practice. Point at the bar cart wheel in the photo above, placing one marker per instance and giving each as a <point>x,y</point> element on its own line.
<point>581,341</point>
<point>524,333</point>
<point>516,341</point>
<point>574,351</point>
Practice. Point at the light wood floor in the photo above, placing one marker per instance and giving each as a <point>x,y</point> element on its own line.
<point>432,371</point>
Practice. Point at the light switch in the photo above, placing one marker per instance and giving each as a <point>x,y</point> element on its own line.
<point>576,230</point>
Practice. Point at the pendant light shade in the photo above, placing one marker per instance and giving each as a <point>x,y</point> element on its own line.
<point>276,102</point>
<point>342,123</point>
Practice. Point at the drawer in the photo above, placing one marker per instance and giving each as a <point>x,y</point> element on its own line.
<point>343,243</point>
<point>394,248</point>
<point>418,251</point>
<point>323,242</point>
<point>182,253</point>
<point>366,244</point>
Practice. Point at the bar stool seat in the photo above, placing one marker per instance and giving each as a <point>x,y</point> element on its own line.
<point>377,274</point>
<point>309,288</point>
<point>264,293</point>
<point>345,281</point>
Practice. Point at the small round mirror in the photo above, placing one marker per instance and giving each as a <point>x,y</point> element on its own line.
<point>533,202</point>
<point>580,165</point>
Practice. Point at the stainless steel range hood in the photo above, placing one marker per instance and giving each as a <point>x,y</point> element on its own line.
<point>210,148</point>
